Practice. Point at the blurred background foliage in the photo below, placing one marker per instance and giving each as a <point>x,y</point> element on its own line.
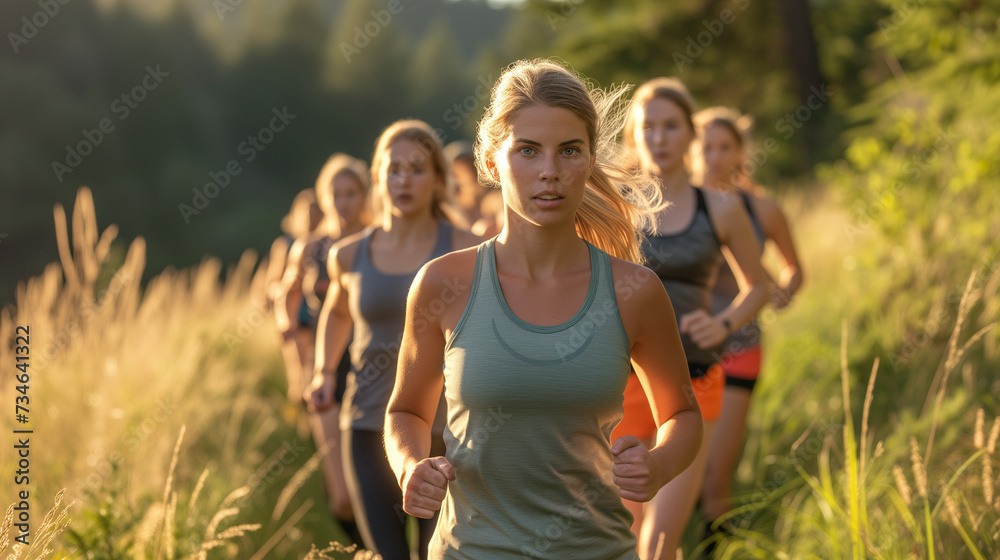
<point>228,63</point>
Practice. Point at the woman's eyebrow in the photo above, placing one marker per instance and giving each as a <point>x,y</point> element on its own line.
<point>534,143</point>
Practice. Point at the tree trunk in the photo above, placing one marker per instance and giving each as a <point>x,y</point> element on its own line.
<point>804,60</point>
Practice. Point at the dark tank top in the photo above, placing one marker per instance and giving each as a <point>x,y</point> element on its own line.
<point>727,288</point>
<point>307,316</point>
<point>378,306</point>
<point>687,263</point>
<point>320,256</point>
<point>321,252</point>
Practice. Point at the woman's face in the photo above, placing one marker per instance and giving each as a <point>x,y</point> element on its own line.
<point>348,197</point>
<point>543,165</point>
<point>411,181</point>
<point>721,154</point>
<point>662,135</point>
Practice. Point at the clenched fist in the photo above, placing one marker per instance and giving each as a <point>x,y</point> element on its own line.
<point>705,330</point>
<point>636,473</point>
<point>319,393</point>
<point>426,485</point>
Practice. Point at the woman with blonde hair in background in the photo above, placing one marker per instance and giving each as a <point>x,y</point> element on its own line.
<point>722,161</point>
<point>691,239</point>
<point>534,349</point>
<point>370,274</point>
<point>341,189</point>
<point>302,219</point>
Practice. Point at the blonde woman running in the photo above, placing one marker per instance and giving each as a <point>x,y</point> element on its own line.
<point>370,274</point>
<point>533,339</point>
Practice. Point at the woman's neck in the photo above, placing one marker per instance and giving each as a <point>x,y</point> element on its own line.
<point>536,252</point>
<point>400,229</point>
<point>673,182</point>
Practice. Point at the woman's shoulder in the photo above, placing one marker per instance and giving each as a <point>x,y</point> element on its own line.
<point>448,277</point>
<point>721,203</point>
<point>766,210</point>
<point>298,249</point>
<point>639,295</point>
<point>282,243</point>
<point>764,205</point>
<point>450,265</point>
<point>345,250</point>
<point>633,281</point>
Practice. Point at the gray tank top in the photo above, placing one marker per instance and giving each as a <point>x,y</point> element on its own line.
<point>727,288</point>
<point>378,306</point>
<point>530,413</point>
<point>687,264</point>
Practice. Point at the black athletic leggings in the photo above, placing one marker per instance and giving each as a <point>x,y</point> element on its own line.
<point>376,497</point>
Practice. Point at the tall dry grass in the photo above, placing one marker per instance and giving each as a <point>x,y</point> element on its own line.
<point>149,404</point>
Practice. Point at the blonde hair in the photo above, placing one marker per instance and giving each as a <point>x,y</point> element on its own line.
<point>336,165</point>
<point>296,222</point>
<point>421,133</point>
<point>618,202</point>
<point>739,126</point>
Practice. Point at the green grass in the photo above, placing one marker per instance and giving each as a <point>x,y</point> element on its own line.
<point>840,411</point>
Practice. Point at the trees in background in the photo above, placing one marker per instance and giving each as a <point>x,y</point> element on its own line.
<point>347,68</point>
<point>76,111</point>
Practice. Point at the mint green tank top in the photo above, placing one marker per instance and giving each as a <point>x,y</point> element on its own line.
<point>530,414</point>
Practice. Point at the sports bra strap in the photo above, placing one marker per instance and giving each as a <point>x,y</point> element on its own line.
<point>746,203</point>
<point>703,208</point>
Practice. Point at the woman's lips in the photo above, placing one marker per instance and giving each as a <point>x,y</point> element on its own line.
<point>548,202</point>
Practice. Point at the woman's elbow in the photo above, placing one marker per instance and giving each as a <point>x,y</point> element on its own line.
<point>759,292</point>
<point>399,418</point>
<point>398,404</point>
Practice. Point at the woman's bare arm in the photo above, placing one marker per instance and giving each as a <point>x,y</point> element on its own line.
<point>660,364</point>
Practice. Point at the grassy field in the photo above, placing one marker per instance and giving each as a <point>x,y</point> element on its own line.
<point>873,435</point>
<point>161,428</point>
<point>160,411</point>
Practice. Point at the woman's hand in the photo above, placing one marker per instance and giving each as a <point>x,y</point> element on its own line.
<point>319,393</point>
<point>425,486</point>
<point>705,330</point>
<point>780,298</point>
<point>636,473</point>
